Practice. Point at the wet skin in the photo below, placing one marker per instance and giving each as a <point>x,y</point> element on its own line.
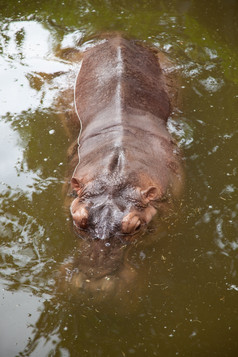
<point>129,165</point>
<point>126,166</point>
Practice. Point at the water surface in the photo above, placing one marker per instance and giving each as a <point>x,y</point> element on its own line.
<point>187,300</point>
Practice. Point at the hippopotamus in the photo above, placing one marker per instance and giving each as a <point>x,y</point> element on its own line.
<point>125,166</point>
<point>129,166</point>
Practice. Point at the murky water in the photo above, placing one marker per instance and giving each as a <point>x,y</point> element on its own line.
<point>185,301</point>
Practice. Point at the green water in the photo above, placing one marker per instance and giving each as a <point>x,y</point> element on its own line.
<point>186,300</point>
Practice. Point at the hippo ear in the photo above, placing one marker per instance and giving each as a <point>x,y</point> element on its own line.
<point>76,185</point>
<point>150,194</point>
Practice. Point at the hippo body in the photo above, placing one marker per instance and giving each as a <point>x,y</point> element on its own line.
<point>129,167</point>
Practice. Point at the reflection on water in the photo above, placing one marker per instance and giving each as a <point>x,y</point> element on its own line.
<point>184,299</point>
<point>15,308</point>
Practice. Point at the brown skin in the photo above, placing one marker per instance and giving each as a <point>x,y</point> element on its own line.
<point>129,165</point>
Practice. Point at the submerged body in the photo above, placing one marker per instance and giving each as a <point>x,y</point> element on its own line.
<point>129,166</point>
<point>124,166</point>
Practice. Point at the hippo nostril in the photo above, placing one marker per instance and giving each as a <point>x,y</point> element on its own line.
<point>80,217</point>
<point>138,227</point>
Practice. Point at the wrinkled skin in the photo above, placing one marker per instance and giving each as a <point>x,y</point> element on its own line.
<point>128,163</point>
<point>128,167</point>
<point>106,212</point>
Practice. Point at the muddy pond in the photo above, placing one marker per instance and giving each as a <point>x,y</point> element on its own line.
<point>184,300</point>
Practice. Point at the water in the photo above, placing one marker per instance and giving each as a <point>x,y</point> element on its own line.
<point>185,301</point>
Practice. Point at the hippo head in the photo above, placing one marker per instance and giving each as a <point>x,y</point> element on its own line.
<point>103,209</point>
